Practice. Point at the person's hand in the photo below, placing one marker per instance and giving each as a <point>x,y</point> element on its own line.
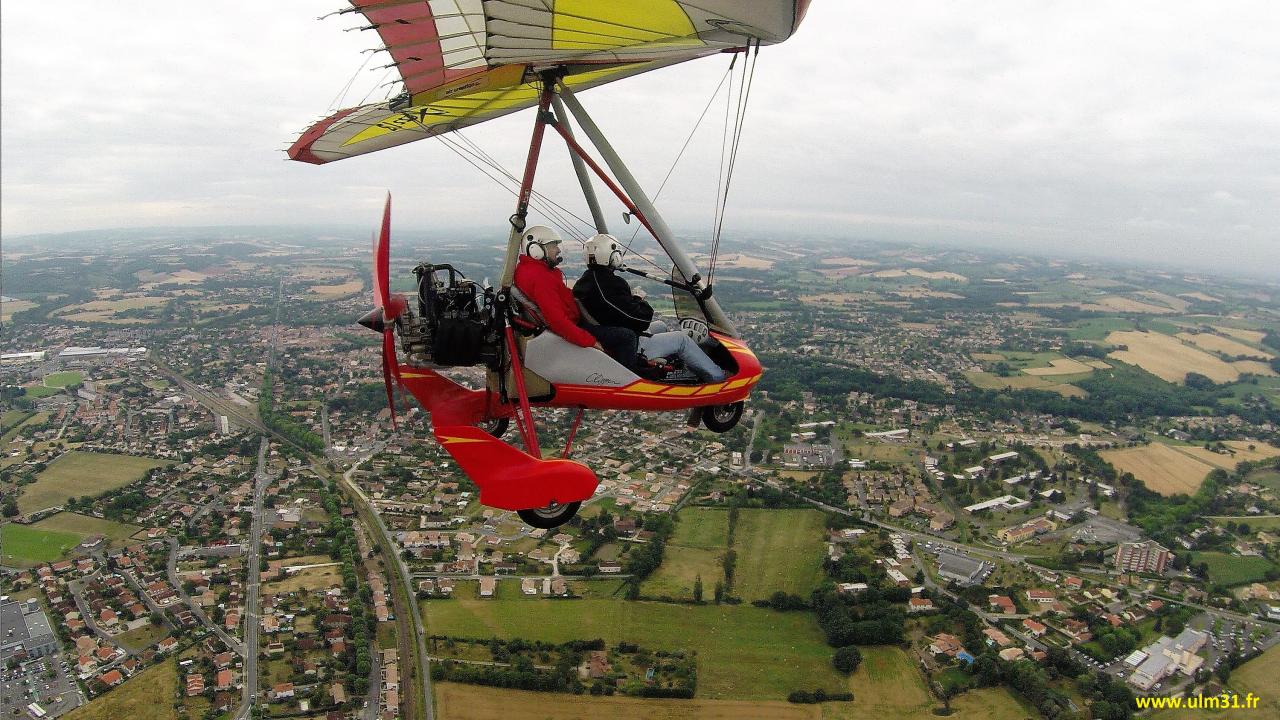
<point>598,346</point>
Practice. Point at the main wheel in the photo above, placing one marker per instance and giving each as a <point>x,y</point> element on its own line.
<point>496,427</point>
<point>551,516</point>
<point>722,418</point>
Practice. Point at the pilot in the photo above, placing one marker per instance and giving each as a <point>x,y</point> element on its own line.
<point>537,277</point>
<point>610,300</point>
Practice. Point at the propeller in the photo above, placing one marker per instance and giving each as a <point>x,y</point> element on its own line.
<point>387,308</point>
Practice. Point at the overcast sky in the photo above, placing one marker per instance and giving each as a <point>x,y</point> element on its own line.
<point>1135,129</point>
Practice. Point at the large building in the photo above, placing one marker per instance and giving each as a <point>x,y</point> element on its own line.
<point>25,629</point>
<point>1146,556</point>
<point>963,569</point>
<point>1167,656</point>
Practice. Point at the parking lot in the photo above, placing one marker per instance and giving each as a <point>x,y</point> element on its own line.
<point>43,681</point>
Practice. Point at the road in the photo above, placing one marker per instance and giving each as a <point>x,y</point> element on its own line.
<point>196,610</point>
<point>252,617</point>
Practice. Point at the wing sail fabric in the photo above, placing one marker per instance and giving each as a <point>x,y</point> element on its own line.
<point>467,61</point>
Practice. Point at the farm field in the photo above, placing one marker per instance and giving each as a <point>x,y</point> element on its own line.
<point>1266,478</point>
<point>84,526</point>
<point>887,684</point>
<point>1229,462</point>
<point>1116,303</point>
<point>744,652</point>
<point>77,473</point>
<point>63,379</point>
<point>149,695</point>
<point>455,701</point>
<point>696,548</point>
<point>105,310</point>
<point>339,289</point>
<point>16,419</point>
<point>314,578</point>
<point>988,381</point>
<point>142,638</point>
<point>24,546</point>
<point>1168,358</point>
<point>1231,569</point>
<point>9,307</point>
<point>778,550</point>
<point>1250,336</point>
<point>1161,468</point>
<point>1219,344</point>
<point>1059,366</point>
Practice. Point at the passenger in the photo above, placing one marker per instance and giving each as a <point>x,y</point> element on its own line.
<point>537,277</point>
<point>610,301</point>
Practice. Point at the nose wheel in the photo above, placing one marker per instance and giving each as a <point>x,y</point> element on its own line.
<point>550,517</point>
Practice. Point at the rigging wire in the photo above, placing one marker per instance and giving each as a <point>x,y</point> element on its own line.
<point>739,124</point>
<point>727,76</point>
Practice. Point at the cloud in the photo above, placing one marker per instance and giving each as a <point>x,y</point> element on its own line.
<point>1142,129</point>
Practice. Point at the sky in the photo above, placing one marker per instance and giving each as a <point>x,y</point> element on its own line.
<point>1139,130</point>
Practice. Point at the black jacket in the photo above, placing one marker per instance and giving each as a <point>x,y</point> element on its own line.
<point>608,299</point>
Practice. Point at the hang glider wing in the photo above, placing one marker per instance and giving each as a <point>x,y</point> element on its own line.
<point>463,62</point>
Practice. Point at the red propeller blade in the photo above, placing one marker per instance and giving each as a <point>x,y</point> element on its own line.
<point>390,370</point>
<point>382,260</point>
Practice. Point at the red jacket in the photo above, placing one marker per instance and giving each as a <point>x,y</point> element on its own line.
<point>545,287</point>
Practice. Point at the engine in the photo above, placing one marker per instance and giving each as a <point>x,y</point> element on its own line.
<point>454,323</point>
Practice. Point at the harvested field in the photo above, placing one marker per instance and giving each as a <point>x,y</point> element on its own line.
<point>1166,300</point>
<point>846,261</point>
<point>455,701</point>
<point>920,273</point>
<point>745,262</point>
<point>82,473</point>
<point>313,578</point>
<point>1060,366</point>
<point>1253,367</point>
<point>1098,365</point>
<point>1229,461</point>
<point>987,357</point>
<point>918,293</point>
<point>1250,336</point>
<point>1200,296</point>
<point>1168,358</point>
<point>837,298</point>
<point>9,307</point>
<point>1163,469</point>
<point>347,288</point>
<point>1115,303</point>
<point>1219,344</point>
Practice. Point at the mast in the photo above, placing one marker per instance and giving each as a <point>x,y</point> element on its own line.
<point>662,232</point>
<point>526,183</point>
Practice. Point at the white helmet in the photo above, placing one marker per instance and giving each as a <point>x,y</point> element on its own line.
<point>536,240</point>
<point>603,249</point>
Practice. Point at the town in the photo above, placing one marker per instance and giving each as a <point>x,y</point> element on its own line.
<point>1017,486</point>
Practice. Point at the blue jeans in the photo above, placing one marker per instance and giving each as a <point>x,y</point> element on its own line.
<point>675,343</point>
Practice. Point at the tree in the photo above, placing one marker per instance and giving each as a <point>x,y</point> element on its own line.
<point>847,659</point>
<point>719,592</point>
<point>697,589</point>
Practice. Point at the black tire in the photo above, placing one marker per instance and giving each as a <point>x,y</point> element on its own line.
<point>551,516</point>
<point>722,418</point>
<point>496,427</point>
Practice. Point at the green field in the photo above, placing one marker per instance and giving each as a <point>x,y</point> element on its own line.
<point>1098,329</point>
<point>1233,570</point>
<point>142,638</point>
<point>63,379</point>
<point>25,546</point>
<point>12,420</point>
<point>149,695</point>
<point>77,473</point>
<point>696,549</point>
<point>1266,478</point>
<point>744,652</point>
<point>778,550</point>
<point>84,526</point>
